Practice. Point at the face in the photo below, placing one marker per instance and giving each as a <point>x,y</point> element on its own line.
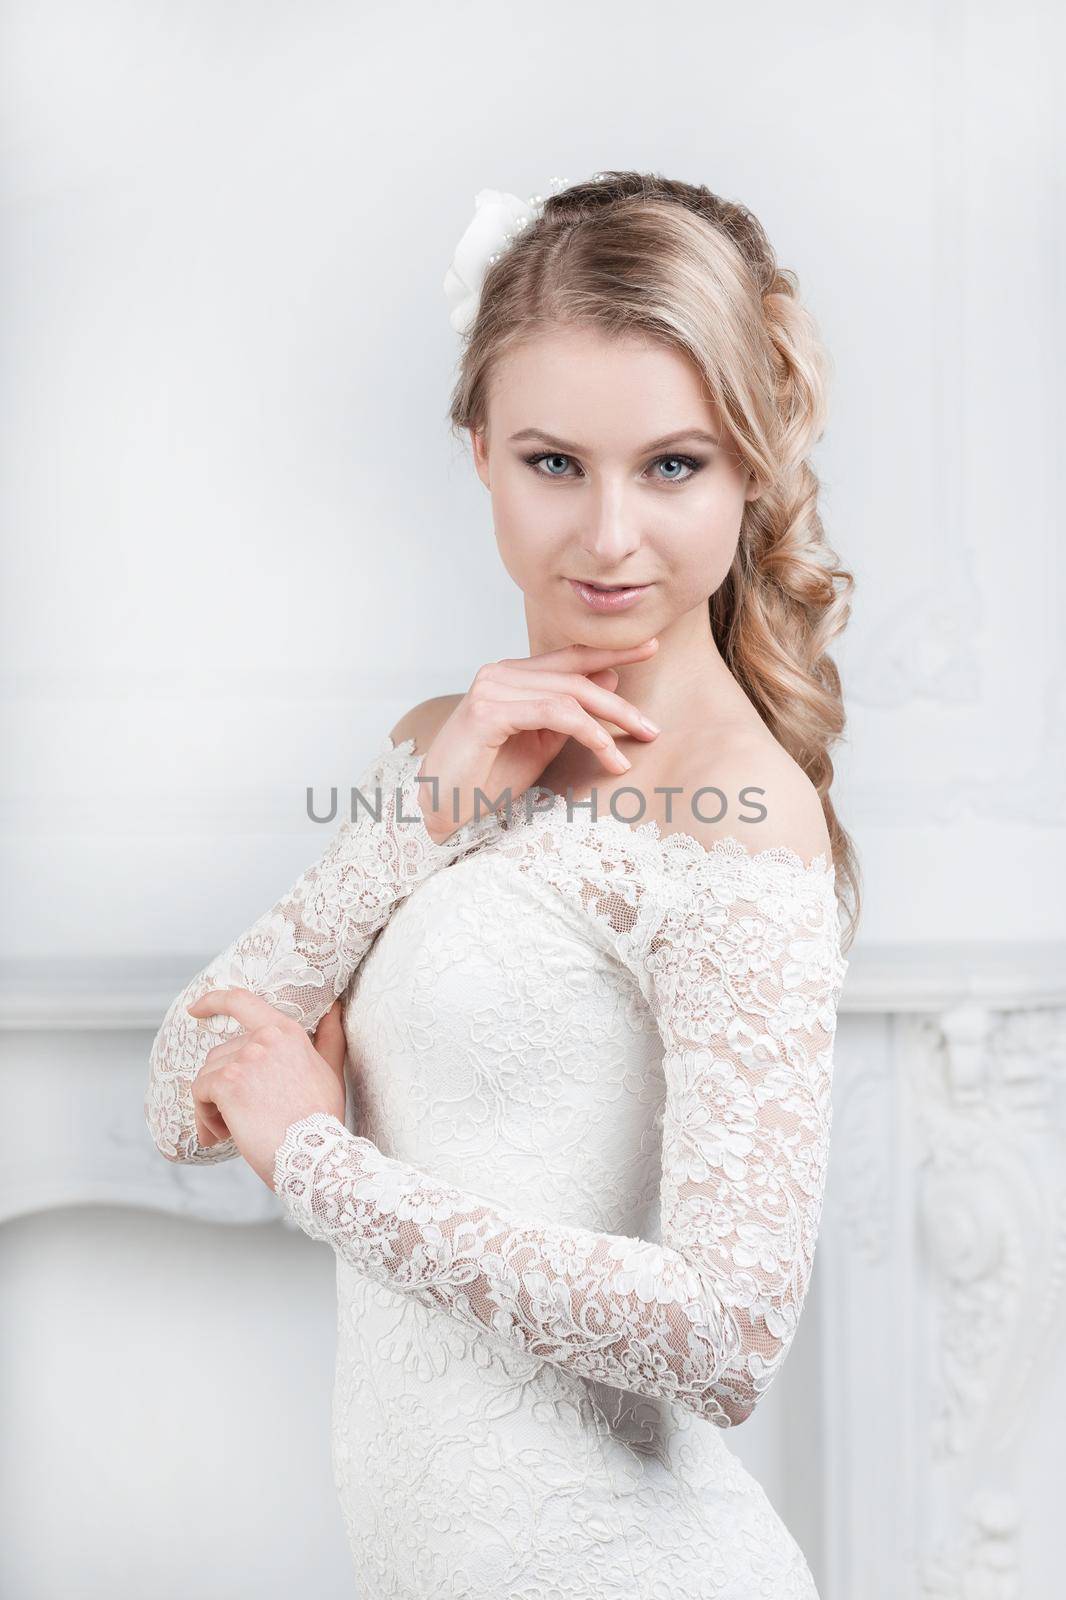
<point>583,489</point>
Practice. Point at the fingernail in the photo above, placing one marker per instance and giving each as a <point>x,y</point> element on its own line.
<point>626,763</point>
<point>651,726</point>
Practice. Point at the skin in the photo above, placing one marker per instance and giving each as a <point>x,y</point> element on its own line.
<point>613,513</point>
<point>254,1085</point>
<point>569,715</point>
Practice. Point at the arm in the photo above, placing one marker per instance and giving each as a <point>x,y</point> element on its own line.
<point>301,953</point>
<point>745,1000</point>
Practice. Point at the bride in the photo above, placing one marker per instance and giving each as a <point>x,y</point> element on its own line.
<point>541,1046</point>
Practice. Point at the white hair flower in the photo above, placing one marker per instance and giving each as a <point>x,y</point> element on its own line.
<point>498,219</point>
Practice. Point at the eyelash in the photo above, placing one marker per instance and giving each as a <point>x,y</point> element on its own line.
<point>691,462</point>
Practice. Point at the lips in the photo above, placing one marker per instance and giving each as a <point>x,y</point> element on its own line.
<point>598,597</point>
<point>608,588</point>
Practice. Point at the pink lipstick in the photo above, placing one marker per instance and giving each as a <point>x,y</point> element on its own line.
<point>607,599</point>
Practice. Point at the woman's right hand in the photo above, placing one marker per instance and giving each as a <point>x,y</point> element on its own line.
<point>515,718</point>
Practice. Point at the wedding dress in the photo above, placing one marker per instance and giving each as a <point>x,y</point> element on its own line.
<point>575,1198</point>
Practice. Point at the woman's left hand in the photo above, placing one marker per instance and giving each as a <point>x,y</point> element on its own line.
<point>254,1084</point>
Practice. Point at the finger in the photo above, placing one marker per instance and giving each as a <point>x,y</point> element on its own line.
<point>607,676</point>
<point>583,657</point>
<point>250,1010</point>
<point>600,700</point>
<point>210,1129</point>
<point>499,719</point>
<point>506,677</point>
<point>229,1047</point>
<point>209,1119</point>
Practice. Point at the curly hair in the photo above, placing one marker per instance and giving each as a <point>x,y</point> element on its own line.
<point>633,252</point>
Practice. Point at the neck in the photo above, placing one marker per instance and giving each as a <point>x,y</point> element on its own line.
<point>685,677</point>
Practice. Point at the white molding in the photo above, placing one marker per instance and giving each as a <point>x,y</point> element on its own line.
<point>942,1263</point>
<point>939,1273</point>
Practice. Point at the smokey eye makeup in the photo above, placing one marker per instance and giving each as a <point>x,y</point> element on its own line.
<point>692,464</point>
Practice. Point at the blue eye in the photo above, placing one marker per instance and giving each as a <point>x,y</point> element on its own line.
<point>533,460</point>
<point>690,462</point>
<point>684,461</point>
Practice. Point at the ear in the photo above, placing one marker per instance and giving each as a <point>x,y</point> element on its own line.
<point>479,447</point>
<point>753,490</point>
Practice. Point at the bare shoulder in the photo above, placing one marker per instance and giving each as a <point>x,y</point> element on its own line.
<point>422,722</point>
<point>766,798</point>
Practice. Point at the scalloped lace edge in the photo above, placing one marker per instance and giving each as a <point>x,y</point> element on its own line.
<point>727,846</point>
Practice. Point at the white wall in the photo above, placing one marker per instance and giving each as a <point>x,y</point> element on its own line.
<point>239,541</point>
<point>167,1395</point>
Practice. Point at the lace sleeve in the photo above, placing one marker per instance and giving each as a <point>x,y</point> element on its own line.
<point>743,970</point>
<point>301,953</point>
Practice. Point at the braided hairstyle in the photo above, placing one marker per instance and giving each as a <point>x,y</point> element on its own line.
<point>633,252</point>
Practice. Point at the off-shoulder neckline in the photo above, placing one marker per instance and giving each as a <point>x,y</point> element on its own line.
<point>672,845</point>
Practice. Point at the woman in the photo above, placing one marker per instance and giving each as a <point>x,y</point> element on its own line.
<point>589,1057</point>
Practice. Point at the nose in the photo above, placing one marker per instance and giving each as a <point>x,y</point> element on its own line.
<point>609,526</point>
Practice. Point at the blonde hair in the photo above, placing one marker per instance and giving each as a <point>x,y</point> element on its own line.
<point>632,252</point>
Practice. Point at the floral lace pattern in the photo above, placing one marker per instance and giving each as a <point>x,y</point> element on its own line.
<point>739,956</point>
<point>301,953</point>
<point>575,1199</point>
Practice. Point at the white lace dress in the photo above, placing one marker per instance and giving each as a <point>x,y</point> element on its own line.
<point>575,1205</point>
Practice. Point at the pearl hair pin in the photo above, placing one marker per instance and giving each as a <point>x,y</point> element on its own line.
<point>499,218</point>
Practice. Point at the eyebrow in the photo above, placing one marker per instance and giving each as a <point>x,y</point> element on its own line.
<point>579,450</point>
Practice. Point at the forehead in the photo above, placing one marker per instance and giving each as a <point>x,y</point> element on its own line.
<point>581,383</point>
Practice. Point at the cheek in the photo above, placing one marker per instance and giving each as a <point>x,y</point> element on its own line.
<point>699,544</point>
<point>525,531</point>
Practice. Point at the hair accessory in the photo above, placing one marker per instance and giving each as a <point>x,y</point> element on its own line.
<point>498,219</point>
